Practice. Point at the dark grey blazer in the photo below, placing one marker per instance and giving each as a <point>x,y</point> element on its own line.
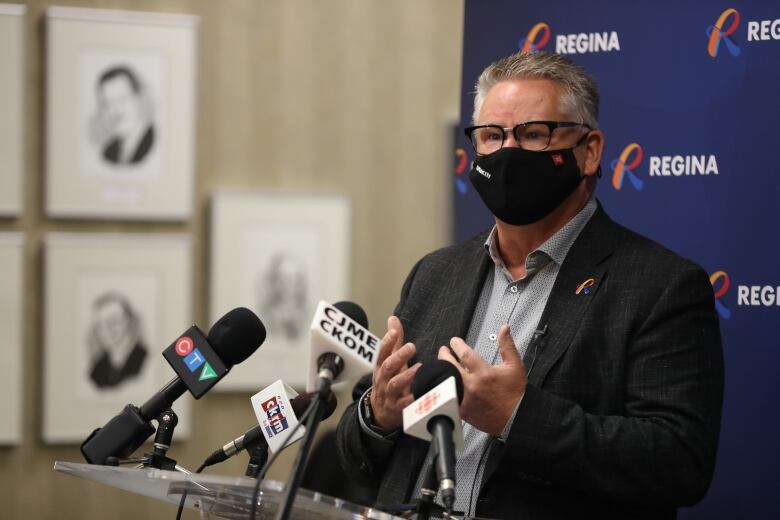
<point>622,412</point>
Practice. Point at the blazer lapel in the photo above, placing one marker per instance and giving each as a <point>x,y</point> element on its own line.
<point>457,307</point>
<point>568,301</point>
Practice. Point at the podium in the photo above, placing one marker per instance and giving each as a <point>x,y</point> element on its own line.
<point>219,496</point>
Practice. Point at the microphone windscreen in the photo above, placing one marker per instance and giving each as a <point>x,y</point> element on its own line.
<point>431,373</point>
<point>302,401</point>
<point>354,311</point>
<point>330,406</point>
<point>236,335</point>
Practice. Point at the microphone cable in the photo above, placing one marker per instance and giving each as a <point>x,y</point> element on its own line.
<point>184,494</point>
<point>256,491</point>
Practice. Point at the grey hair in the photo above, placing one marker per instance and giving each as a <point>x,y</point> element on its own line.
<point>580,98</point>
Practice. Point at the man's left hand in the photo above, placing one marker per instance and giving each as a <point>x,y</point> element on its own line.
<point>490,392</point>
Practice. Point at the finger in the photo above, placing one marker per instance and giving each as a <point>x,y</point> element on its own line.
<point>396,361</point>
<point>388,344</point>
<point>469,359</point>
<point>446,355</point>
<point>394,324</point>
<point>405,401</point>
<point>401,382</point>
<point>507,348</point>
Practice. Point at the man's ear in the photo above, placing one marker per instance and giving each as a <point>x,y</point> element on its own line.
<point>594,147</point>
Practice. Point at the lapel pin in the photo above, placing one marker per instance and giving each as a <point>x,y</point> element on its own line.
<point>585,286</point>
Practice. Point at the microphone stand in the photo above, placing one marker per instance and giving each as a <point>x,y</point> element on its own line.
<point>427,493</point>
<point>326,376</point>
<point>166,423</point>
<point>258,456</point>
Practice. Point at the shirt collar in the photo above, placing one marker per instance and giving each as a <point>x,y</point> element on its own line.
<point>555,248</point>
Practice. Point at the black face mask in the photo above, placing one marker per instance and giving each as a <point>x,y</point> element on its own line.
<point>521,187</point>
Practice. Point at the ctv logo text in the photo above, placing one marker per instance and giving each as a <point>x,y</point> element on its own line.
<point>573,43</point>
<point>193,358</point>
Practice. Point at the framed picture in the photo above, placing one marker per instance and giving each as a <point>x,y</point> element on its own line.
<point>12,108</point>
<point>11,307</point>
<point>120,120</point>
<point>278,254</point>
<point>113,304</point>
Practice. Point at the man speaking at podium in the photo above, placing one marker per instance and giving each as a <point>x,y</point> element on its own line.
<point>602,397</point>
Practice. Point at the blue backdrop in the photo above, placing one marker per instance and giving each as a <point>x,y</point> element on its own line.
<point>690,110</point>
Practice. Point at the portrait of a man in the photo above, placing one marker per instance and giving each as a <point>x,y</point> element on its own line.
<point>283,296</point>
<point>123,124</point>
<point>116,346</point>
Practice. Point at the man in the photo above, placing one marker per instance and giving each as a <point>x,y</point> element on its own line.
<point>283,292</point>
<point>123,123</point>
<point>116,347</point>
<point>592,361</point>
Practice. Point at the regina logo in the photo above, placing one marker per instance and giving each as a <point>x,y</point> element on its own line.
<point>625,165</point>
<point>573,43</point>
<point>727,24</point>
<point>721,288</point>
<point>461,164</point>
<point>537,38</point>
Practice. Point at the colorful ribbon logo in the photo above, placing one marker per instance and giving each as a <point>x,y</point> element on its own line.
<point>460,167</point>
<point>724,311</point>
<point>622,167</point>
<point>585,286</point>
<point>717,33</point>
<point>530,44</point>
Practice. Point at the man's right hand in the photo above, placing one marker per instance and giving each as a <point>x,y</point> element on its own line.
<point>391,391</point>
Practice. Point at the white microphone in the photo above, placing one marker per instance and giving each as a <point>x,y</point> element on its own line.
<point>341,344</point>
<point>258,433</point>
<point>433,416</point>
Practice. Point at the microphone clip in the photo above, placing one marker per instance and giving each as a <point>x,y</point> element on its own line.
<point>166,423</point>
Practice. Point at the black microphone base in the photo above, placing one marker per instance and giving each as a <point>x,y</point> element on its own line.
<point>120,437</point>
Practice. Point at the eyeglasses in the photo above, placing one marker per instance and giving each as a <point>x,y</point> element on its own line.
<point>534,136</point>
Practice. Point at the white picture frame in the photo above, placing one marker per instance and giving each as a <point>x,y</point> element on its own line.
<point>120,119</point>
<point>278,254</point>
<point>12,18</point>
<point>11,346</point>
<point>113,303</point>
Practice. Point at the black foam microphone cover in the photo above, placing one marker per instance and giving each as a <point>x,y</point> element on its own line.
<point>354,311</point>
<point>432,373</point>
<point>236,335</point>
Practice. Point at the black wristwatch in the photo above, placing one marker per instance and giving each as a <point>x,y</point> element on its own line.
<point>368,416</point>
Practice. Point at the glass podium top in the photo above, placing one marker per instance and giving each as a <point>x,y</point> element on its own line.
<point>220,496</point>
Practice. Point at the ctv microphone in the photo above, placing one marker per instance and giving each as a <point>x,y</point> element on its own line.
<point>433,416</point>
<point>199,361</point>
<point>340,344</point>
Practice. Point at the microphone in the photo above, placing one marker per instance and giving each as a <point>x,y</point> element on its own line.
<point>438,390</point>
<point>255,434</point>
<point>200,362</point>
<point>340,344</point>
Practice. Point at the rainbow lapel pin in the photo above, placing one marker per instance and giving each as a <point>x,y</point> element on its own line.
<point>585,286</point>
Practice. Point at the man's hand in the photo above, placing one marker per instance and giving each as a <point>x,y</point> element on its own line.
<point>391,391</point>
<point>490,392</point>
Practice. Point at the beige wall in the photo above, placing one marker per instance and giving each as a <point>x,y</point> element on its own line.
<point>361,90</point>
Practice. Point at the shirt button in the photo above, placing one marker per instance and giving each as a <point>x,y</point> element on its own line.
<point>493,337</point>
<point>513,288</point>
